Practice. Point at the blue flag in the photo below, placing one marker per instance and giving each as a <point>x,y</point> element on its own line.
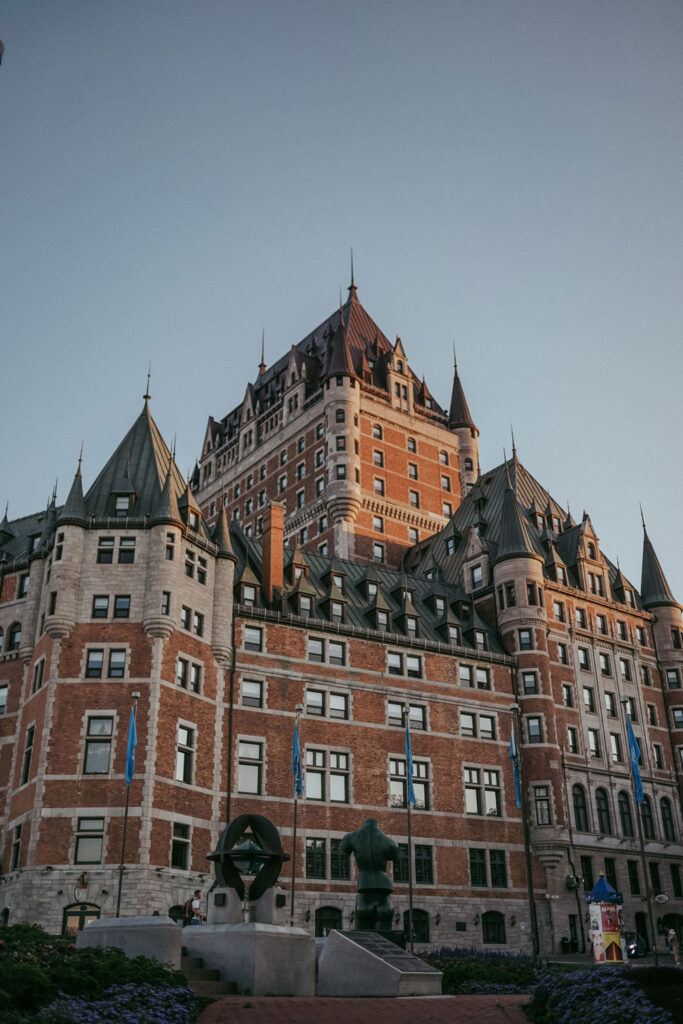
<point>409,766</point>
<point>130,750</point>
<point>297,774</point>
<point>514,757</point>
<point>634,750</point>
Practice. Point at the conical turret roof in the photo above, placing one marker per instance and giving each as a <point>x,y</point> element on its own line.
<point>459,414</point>
<point>514,540</point>
<point>654,589</point>
<point>166,508</point>
<point>221,535</point>
<point>74,510</point>
<point>6,531</point>
<point>340,362</point>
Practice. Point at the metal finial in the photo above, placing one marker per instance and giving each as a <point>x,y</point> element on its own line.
<point>353,283</point>
<point>173,450</point>
<point>514,447</point>
<point>80,459</point>
<point>455,361</point>
<point>147,395</point>
<point>642,517</point>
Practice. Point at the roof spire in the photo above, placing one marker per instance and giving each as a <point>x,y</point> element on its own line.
<point>80,461</point>
<point>654,589</point>
<point>642,517</point>
<point>262,364</point>
<point>459,414</point>
<point>455,361</point>
<point>147,395</point>
<point>514,446</point>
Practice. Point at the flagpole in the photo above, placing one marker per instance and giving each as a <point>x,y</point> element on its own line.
<point>131,732</point>
<point>514,725</point>
<point>641,841</point>
<point>410,796</point>
<point>296,774</point>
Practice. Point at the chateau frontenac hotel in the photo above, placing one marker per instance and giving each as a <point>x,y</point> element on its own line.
<point>338,547</point>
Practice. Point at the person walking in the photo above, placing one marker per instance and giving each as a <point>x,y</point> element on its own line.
<point>197,916</point>
<point>672,942</point>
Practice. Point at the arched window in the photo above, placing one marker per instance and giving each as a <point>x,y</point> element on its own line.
<point>667,820</point>
<point>604,818</point>
<point>14,637</point>
<point>469,465</point>
<point>492,927</point>
<point>647,819</point>
<point>625,815</point>
<point>580,810</point>
<point>327,918</point>
<point>420,925</point>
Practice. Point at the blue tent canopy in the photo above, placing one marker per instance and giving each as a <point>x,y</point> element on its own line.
<point>602,892</point>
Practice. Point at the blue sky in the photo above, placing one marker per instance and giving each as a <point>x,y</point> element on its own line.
<point>178,176</point>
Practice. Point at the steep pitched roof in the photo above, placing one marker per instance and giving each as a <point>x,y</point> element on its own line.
<point>141,458</point>
<point>654,589</point>
<point>459,414</point>
<point>514,539</point>
<point>74,509</point>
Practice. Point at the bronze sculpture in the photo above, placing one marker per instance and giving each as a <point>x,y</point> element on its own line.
<point>372,849</point>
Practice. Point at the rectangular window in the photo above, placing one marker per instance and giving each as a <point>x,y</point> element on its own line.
<point>562,655</point>
<point>483,679</point>
<point>633,877</point>
<point>529,682</point>
<point>315,858</point>
<point>610,705</point>
<point>126,550</point>
<point>181,672</point>
<point>594,742</point>
<point>567,695</point>
<point>542,805</point>
<point>89,841</point>
<point>468,724</point>
<point>615,746</point>
<point>122,606</point>
<point>336,652</point>
<point>525,640</point>
<point>340,863</point>
<point>105,550</point>
<point>94,663</point>
<point>487,727</point>
<point>184,754</point>
<point>659,755</point>
<point>165,602</point>
<point>195,677</point>
<point>478,868</point>
<point>249,767</point>
<point>315,702</point>
<point>465,675</point>
<point>117,664</point>
<point>100,606</point>
<point>673,679</point>
<point>253,638</point>
<point>180,846</point>
<point>28,754</point>
<point>580,618</point>
<point>676,880</point>
<point>185,617</point>
<point>611,872</point>
<point>589,698</point>
<point>558,611</point>
<point>625,669</point>
<point>398,783</point>
<point>584,661</point>
<point>36,684</point>
<point>378,458</point>
<point>98,745</point>
<point>16,848</point>
<point>572,740</point>
<point>499,878</point>
<point>601,622</point>
<point>534,729</point>
<point>482,792</point>
<point>477,576</point>
<point>424,869</point>
<point>198,624</point>
<point>252,693</point>
<point>605,665</point>
<point>587,873</point>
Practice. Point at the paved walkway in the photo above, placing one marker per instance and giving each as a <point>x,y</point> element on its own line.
<point>416,1010</point>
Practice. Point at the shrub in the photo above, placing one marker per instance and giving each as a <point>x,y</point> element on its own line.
<point>144,1004</point>
<point>602,995</point>
<point>468,971</point>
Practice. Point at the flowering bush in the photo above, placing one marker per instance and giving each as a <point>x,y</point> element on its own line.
<point>469,971</point>
<point>598,995</point>
<point>137,1004</point>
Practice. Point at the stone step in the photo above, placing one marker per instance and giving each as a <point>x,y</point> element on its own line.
<point>201,974</point>
<point>189,963</point>
<point>205,981</point>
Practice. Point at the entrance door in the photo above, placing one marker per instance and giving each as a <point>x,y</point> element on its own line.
<point>327,918</point>
<point>77,916</point>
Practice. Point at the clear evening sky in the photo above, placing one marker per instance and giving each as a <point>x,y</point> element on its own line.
<point>176,176</point>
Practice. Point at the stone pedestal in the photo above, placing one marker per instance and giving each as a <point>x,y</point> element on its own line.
<point>156,937</point>
<point>225,907</point>
<point>262,959</point>
<point>367,964</point>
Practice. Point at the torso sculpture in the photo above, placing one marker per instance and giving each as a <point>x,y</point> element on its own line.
<point>372,849</point>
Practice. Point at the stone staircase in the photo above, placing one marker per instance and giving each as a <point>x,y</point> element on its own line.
<point>203,980</point>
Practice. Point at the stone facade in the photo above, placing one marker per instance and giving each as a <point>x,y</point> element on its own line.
<point>506,616</point>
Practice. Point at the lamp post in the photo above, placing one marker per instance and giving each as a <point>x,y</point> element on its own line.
<point>130,752</point>
<point>517,762</point>
<point>641,841</point>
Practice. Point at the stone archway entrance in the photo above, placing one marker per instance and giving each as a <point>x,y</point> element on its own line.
<point>76,916</point>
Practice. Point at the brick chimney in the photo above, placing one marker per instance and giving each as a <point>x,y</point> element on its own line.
<point>272,576</point>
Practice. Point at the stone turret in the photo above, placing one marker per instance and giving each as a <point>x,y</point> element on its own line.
<point>165,561</point>
<point>461,423</point>
<point>342,411</point>
<point>67,561</point>
<point>224,577</point>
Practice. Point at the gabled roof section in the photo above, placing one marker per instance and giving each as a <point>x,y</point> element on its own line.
<point>143,457</point>
<point>654,589</point>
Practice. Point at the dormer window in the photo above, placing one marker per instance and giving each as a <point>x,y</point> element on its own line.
<point>591,550</point>
<point>298,572</point>
<point>562,575</point>
<point>338,581</point>
<point>336,611</point>
<point>454,634</point>
<point>192,520</point>
<point>382,620</point>
<point>540,521</point>
<point>399,366</point>
<point>411,625</point>
<point>121,505</point>
<point>248,593</point>
<point>477,576</point>
<point>372,590</point>
<point>556,524</point>
<point>439,605</point>
<point>304,604</point>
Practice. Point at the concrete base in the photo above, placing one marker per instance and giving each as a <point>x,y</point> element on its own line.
<point>366,964</point>
<point>225,907</point>
<point>262,959</point>
<point>156,937</point>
